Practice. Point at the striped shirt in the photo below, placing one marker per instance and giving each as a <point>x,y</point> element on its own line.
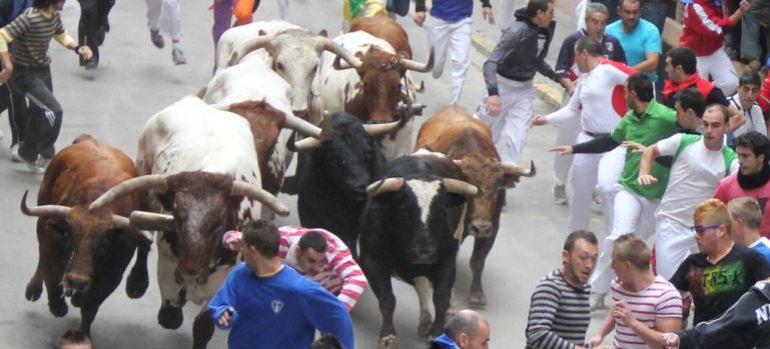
<point>31,33</point>
<point>559,314</point>
<point>659,300</point>
<point>340,275</point>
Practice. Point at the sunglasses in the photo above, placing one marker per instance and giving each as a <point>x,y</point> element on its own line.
<point>700,229</point>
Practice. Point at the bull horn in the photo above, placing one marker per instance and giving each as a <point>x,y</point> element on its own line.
<point>460,187</point>
<point>261,195</point>
<point>302,126</point>
<point>341,52</point>
<point>387,184</point>
<point>43,211</point>
<point>246,46</point>
<point>151,221</point>
<point>518,170</point>
<point>418,89</point>
<point>337,65</point>
<point>458,162</point>
<point>146,182</point>
<point>418,67</point>
<point>381,129</point>
<point>306,144</point>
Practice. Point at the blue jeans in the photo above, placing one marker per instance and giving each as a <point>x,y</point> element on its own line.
<point>750,46</point>
<point>655,12</point>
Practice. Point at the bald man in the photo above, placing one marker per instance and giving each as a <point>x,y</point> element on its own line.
<point>467,329</point>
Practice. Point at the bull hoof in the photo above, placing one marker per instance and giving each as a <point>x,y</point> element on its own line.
<point>170,317</point>
<point>477,299</point>
<point>58,307</point>
<point>137,283</point>
<point>33,292</point>
<point>387,342</point>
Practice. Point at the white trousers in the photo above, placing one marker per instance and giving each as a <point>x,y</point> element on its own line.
<point>165,15</point>
<point>719,66</point>
<point>505,15</point>
<point>454,39</point>
<point>633,213</point>
<point>673,243</point>
<point>591,172</point>
<point>566,134</point>
<point>511,126</point>
<point>283,7</point>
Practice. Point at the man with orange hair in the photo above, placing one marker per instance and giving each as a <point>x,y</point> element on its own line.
<point>722,271</point>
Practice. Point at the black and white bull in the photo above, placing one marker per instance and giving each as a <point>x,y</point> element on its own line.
<point>409,229</point>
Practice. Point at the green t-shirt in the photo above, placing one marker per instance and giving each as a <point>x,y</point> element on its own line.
<point>657,122</point>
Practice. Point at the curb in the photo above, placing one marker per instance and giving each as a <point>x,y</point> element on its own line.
<point>546,90</point>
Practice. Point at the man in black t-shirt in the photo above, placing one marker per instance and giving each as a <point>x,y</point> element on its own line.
<point>722,271</point>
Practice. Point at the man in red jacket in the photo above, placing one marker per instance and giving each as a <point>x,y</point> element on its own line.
<point>702,32</point>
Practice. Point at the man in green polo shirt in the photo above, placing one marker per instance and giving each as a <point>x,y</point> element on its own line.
<point>646,122</point>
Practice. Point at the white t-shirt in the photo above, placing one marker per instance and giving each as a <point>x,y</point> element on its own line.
<point>755,121</point>
<point>590,102</point>
<point>694,176</point>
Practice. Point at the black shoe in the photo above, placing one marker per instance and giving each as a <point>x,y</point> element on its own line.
<point>156,38</point>
<point>91,64</point>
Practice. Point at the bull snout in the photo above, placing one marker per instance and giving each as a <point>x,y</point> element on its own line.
<point>423,251</point>
<point>481,229</point>
<point>74,282</point>
<point>188,274</point>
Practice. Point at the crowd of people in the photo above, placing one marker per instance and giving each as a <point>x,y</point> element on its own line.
<point>671,142</point>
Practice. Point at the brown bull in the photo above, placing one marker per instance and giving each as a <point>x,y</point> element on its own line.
<point>468,142</point>
<point>84,253</point>
<point>384,27</point>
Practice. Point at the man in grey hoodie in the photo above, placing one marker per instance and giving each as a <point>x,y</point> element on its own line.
<point>508,74</point>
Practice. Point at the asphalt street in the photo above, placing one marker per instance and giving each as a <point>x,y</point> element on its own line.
<point>135,80</point>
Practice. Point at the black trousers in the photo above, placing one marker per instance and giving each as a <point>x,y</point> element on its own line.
<point>44,117</point>
<point>93,23</point>
<point>16,105</point>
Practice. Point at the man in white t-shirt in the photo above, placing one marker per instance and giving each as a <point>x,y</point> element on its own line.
<point>644,305</point>
<point>700,161</point>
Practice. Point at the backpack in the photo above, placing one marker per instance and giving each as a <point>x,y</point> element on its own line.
<point>10,9</point>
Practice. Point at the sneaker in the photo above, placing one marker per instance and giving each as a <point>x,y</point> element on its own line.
<point>178,56</point>
<point>15,157</point>
<point>560,194</point>
<point>156,38</point>
<point>596,203</point>
<point>32,167</point>
<point>597,303</point>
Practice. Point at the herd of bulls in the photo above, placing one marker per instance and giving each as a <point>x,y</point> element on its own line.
<point>210,163</point>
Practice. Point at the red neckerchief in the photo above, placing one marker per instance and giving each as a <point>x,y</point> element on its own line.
<point>671,87</point>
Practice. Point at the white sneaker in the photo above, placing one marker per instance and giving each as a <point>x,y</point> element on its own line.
<point>596,203</point>
<point>42,161</point>
<point>32,167</point>
<point>15,157</point>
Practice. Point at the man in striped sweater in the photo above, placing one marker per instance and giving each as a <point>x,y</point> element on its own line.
<point>645,306</point>
<point>559,309</point>
<point>320,256</point>
<point>30,74</point>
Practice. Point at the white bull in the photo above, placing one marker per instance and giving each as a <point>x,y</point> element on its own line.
<point>373,90</point>
<point>199,168</point>
<point>292,52</point>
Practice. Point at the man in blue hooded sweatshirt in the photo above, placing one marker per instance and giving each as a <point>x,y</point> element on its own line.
<point>467,329</point>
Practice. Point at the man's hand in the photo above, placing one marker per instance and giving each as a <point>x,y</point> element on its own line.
<point>493,105</point>
<point>5,74</point>
<point>669,340</point>
<point>224,319</point>
<point>562,149</point>
<point>539,120</point>
<point>745,6</point>
<point>419,18</point>
<point>85,52</point>
<point>736,119</point>
<point>486,12</point>
<point>620,310</point>
<point>636,147</point>
<point>595,341</point>
<point>646,179</point>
